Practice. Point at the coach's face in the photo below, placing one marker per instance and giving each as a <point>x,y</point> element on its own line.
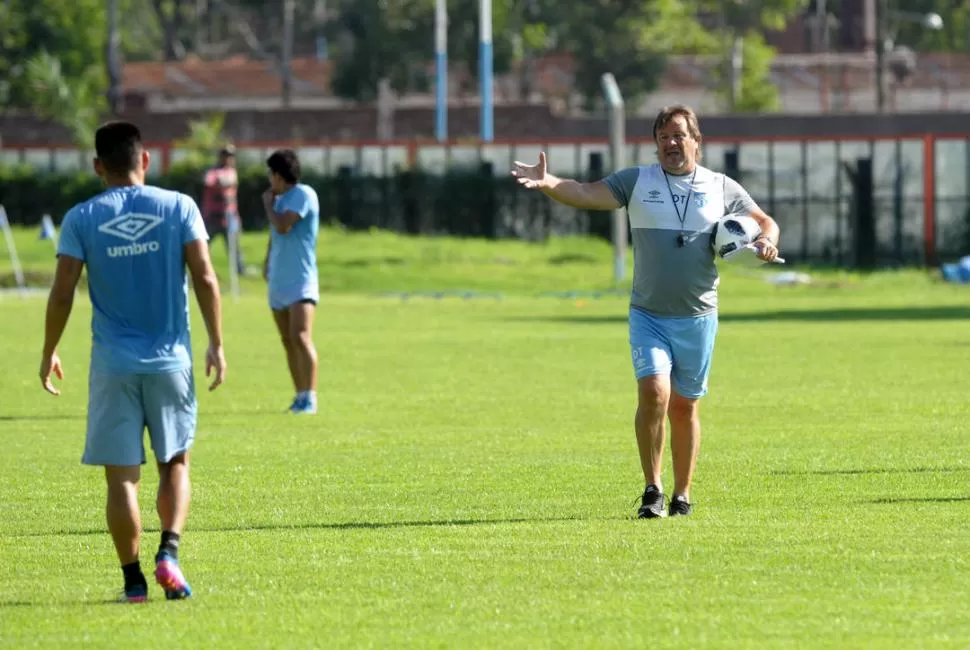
<point>676,147</point>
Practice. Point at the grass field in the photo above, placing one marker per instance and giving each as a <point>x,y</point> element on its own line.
<point>472,476</point>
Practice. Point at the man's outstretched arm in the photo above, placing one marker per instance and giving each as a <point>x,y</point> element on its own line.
<point>586,196</point>
<point>598,195</point>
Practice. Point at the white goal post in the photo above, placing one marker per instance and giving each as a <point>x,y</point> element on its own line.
<point>18,271</point>
<point>233,234</point>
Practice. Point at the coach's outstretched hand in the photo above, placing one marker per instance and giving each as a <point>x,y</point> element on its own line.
<point>48,365</point>
<point>532,176</point>
<point>215,359</point>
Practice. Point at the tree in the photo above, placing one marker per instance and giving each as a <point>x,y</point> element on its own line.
<point>746,20</point>
<point>74,102</point>
<point>205,137</point>
<point>631,40</point>
<point>906,29</point>
<point>70,31</point>
<point>171,17</point>
<point>758,94</point>
<point>376,40</point>
<point>464,39</point>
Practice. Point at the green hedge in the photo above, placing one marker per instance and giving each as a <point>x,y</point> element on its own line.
<point>464,202</point>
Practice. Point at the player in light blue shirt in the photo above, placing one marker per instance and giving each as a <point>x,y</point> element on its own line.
<point>293,211</point>
<point>136,242</point>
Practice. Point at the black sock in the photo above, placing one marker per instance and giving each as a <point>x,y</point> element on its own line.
<point>170,544</point>
<point>133,574</point>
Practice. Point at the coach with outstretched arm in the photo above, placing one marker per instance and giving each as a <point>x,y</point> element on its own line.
<point>673,206</point>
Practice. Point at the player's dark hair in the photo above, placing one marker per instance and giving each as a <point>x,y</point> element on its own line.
<point>286,163</point>
<point>118,146</point>
<point>668,113</point>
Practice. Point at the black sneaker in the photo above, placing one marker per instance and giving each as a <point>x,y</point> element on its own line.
<point>651,504</point>
<point>679,506</point>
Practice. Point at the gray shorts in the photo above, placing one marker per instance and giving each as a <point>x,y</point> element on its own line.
<point>121,406</point>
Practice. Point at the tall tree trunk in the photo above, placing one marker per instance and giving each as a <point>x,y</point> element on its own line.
<point>173,50</point>
<point>287,50</point>
<point>201,24</point>
<point>113,59</point>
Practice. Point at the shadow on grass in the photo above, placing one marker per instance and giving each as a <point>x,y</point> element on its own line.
<point>955,312</point>
<point>869,471</point>
<point>47,604</point>
<point>890,500</point>
<point>347,525</point>
<point>38,280</point>
<point>268,410</point>
<point>35,417</point>
<point>573,258</point>
<point>369,262</point>
<point>246,412</point>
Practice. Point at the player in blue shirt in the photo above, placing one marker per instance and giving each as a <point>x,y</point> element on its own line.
<point>293,211</point>
<point>136,241</point>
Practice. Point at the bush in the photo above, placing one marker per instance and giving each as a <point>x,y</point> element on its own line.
<point>28,196</point>
<point>463,202</point>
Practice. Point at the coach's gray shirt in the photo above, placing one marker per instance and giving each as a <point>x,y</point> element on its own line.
<point>670,281</point>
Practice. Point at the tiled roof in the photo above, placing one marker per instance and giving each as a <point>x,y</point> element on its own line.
<point>248,78</point>
<point>235,76</point>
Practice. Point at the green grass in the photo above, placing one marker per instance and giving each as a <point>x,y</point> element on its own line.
<point>471,478</point>
<point>380,261</point>
<point>383,261</point>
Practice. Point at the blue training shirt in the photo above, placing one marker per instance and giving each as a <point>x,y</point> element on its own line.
<point>131,239</point>
<point>293,255</point>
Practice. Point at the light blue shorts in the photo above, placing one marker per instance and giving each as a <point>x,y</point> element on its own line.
<point>679,347</point>
<point>121,406</point>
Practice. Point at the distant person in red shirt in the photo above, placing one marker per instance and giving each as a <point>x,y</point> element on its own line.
<point>219,207</point>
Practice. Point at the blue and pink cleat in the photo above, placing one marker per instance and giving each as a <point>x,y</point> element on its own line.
<point>169,576</point>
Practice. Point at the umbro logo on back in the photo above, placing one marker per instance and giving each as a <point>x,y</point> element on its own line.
<point>131,226</point>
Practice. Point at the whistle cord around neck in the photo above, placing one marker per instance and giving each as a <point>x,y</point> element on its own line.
<point>681,238</point>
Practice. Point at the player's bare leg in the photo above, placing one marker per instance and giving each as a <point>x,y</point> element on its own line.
<point>174,494</point>
<point>124,524</point>
<point>301,337</point>
<point>124,518</point>
<point>653,394</point>
<point>282,320</point>
<point>685,442</point>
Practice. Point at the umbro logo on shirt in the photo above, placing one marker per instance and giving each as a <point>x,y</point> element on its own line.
<point>132,227</point>
<point>653,196</point>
